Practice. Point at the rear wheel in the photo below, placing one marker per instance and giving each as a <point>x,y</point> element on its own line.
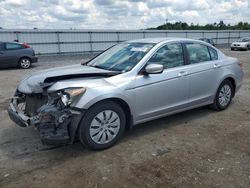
<point>102,125</point>
<point>24,63</point>
<point>223,96</point>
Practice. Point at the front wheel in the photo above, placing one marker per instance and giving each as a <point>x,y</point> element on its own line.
<point>223,96</point>
<point>102,125</point>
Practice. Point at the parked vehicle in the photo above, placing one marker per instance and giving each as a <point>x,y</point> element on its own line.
<point>131,83</point>
<point>210,41</point>
<point>15,54</point>
<point>241,44</point>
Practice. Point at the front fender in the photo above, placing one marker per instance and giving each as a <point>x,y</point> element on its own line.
<point>86,103</point>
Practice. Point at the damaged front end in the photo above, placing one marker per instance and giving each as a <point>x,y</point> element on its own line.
<point>50,113</point>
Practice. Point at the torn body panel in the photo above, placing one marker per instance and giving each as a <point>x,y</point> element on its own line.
<point>49,115</point>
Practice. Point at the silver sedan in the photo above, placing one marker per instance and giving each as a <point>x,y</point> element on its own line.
<point>243,43</point>
<point>130,83</point>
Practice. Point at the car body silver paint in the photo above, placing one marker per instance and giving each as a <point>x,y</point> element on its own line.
<point>152,96</point>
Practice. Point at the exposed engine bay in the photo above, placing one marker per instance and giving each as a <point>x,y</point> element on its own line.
<point>47,113</point>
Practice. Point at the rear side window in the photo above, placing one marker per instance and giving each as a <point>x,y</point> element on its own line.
<point>170,55</point>
<point>213,53</point>
<point>13,46</point>
<point>197,53</point>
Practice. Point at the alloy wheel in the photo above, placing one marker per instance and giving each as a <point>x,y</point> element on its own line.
<point>25,63</point>
<point>225,95</point>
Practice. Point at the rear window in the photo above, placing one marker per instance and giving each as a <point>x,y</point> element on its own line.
<point>13,46</point>
<point>197,53</point>
<point>213,53</point>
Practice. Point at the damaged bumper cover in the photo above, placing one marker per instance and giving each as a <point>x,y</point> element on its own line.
<point>55,125</point>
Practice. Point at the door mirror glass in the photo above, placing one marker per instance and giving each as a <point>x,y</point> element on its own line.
<point>154,68</point>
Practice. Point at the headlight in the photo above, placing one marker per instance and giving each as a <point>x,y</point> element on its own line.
<point>69,94</point>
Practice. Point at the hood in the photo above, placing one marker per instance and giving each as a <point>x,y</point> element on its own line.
<point>37,81</point>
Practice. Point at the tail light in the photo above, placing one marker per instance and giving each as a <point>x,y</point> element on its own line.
<point>25,45</point>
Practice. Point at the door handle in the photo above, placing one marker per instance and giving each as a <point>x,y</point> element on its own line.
<point>216,65</point>
<point>182,73</point>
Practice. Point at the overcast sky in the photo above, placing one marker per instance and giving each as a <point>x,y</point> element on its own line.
<point>118,14</point>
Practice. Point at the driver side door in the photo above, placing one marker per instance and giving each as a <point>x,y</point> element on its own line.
<point>164,93</point>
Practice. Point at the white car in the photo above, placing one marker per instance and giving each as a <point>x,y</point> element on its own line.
<point>243,43</point>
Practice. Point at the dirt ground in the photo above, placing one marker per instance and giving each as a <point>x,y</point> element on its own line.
<point>198,148</point>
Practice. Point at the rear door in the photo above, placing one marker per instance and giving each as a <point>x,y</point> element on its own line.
<point>203,71</point>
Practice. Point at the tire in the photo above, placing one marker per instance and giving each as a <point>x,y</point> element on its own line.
<point>232,49</point>
<point>24,63</point>
<point>248,47</point>
<point>102,125</point>
<point>223,96</point>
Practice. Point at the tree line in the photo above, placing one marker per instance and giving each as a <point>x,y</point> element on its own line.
<point>215,26</point>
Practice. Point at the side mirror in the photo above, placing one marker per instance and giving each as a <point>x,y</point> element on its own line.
<point>154,69</point>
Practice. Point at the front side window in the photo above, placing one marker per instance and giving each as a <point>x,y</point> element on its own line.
<point>197,53</point>
<point>122,57</point>
<point>170,55</point>
<point>13,46</point>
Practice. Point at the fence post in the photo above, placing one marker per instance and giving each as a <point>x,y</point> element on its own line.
<point>17,35</point>
<point>58,42</point>
<point>118,36</point>
<point>216,37</point>
<point>90,41</point>
<point>229,37</point>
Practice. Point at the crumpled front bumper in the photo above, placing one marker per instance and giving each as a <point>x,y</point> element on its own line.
<point>51,134</point>
<point>17,115</point>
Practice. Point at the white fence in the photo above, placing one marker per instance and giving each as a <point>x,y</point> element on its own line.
<point>79,41</point>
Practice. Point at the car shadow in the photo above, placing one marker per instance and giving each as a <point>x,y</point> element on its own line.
<point>22,146</point>
<point>26,141</point>
<point>167,122</point>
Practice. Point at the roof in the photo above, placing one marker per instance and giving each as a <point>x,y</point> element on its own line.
<point>158,40</point>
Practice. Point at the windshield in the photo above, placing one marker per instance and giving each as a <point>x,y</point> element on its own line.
<point>244,40</point>
<point>121,57</point>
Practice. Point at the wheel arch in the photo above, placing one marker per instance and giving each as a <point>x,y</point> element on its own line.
<point>231,79</point>
<point>22,57</point>
<point>122,103</point>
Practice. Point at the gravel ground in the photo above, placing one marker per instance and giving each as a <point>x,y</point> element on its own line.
<point>197,148</point>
